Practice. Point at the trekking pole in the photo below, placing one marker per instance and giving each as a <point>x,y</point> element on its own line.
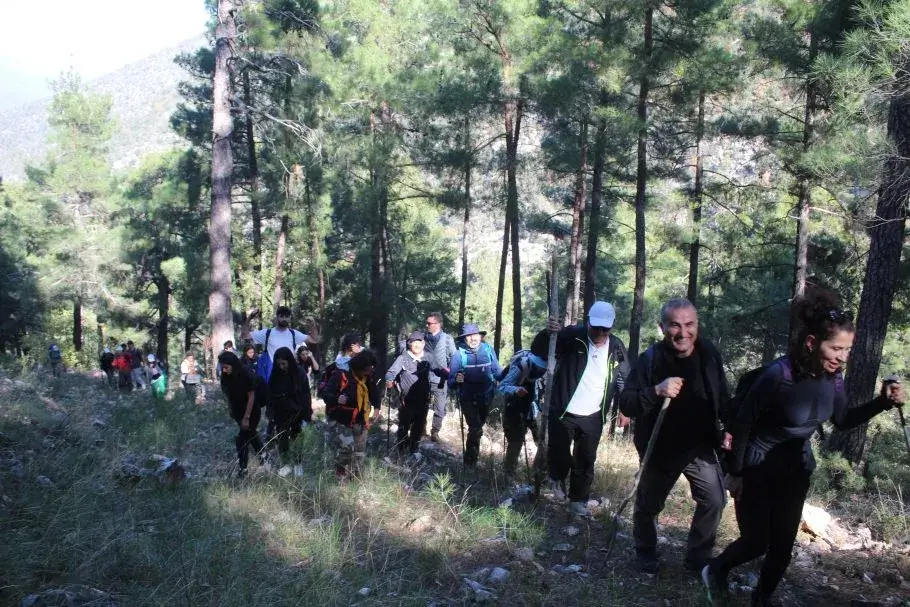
<point>461,421</point>
<point>641,469</point>
<point>524,442</point>
<point>894,379</point>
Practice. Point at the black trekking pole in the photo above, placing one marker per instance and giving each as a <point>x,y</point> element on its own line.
<point>461,420</point>
<point>894,379</point>
<point>641,469</point>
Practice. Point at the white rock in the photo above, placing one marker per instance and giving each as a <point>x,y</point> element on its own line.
<point>499,576</point>
<point>815,520</point>
<point>571,531</point>
<point>45,482</point>
<point>524,554</point>
<point>365,591</point>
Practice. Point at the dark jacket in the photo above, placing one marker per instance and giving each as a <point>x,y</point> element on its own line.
<point>416,378</point>
<point>441,347</point>
<point>343,382</point>
<point>639,401</point>
<point>571,361</point>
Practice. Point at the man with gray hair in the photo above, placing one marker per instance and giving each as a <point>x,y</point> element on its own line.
<point>688,370</point>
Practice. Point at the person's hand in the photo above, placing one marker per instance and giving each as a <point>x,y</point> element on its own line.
<point>343,399</point>
<point>554,325</point>
<point>459,378</point>
<point>727,445</point>
<point>245,423</point>
<point>669,387</point>
<point>734,485</point>
<point>389,385</point>
<point>375,417</point>
<point>521,391</point>
<point>894,392</point>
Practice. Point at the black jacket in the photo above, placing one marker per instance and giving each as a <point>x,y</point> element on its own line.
<point>639,401</point>
<point>571,360</point>
<point>343,382</point>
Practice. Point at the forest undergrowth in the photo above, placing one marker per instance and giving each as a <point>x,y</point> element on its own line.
<point>77,518</point>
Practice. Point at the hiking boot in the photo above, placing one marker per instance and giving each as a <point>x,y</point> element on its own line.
<point>559,489</point>
<point>578,509</point>
<point>647,562</point>
<point>715,585</point>
<point>434,436</point>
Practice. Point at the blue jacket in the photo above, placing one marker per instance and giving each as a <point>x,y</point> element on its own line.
<point>480,368</point>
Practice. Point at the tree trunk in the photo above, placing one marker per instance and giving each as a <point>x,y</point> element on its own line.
<point>501,287</point>
<point>255,214</point>
<point>222,167</point>
<point>578,227</point>
<point>280,252</point>
<point>77,324</point>
<point>641,182</point>
<point>463,298</point>
<point>513,130</point>
<point>597,192</point>
<point>804,186</point>
<point>882,273</point>
<point>697,194</point>
<point>164,295</point>
<point>379,254</point>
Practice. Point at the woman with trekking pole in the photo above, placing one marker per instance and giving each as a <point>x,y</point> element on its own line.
<point>771,462</point>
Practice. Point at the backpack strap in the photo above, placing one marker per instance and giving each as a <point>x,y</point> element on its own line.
<point>268,333</point>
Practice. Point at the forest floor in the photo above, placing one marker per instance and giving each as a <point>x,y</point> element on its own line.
<point>96,511</point>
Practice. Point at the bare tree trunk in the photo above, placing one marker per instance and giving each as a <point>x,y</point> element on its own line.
<point>513,130</point>
<point>222,167</point>
<point>641,182</point>
<point>77,324</point>
<point>380,263</point>
<point>697,195</point>
<point>164,317</point>
<point>882,274</point>
<point>597,191</point>
<point>280,253</point>
<point>255,214</point>
<point>463,298</point>
<point>501,287</point>
<point>578,227</point>
<point>804,186</point>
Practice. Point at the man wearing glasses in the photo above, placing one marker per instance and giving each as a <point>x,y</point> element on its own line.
<point>440,346</point>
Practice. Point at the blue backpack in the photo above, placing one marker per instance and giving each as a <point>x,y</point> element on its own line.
<point>264,363</point>
<point>491,356</point>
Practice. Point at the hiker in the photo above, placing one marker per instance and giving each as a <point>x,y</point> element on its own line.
<point>244,395</point>
<point>591,367</point>
<point>107,366</point>
<point>350,397</point>
<point>250,358</point>
<point>137,373</point>
<point>191,376</point>
<point>520,385</point>
<point>228,347</point>
<point>441,347</point>
<point>279,336</point>
<point>473,370</point>
<point>124,368</point>
<point>55,359</point>
<point>771,461</point>
<point>286,403</point>
<point>156,376</point>
<point>415,373</point>
<point>306,362</point>
<point>688,369</point>
<point>351,344</point>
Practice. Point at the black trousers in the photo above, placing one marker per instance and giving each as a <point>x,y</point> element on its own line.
<point>515,425</point>
<point>475,409</point>
<point>287,428</point>
<point>440,400</point>
<point>573,451</point>
<point>247,438</point>
<point>768,512</point>
<point>702,469</point>
<point>412,423</point>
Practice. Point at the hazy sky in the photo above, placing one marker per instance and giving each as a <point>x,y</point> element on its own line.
<point>41,38</point>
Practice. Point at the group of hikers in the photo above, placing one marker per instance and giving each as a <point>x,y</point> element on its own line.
<point>754,443</point>
<point>125,367</point>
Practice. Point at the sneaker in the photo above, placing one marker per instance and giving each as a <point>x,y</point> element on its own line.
<point>578,509</point>
<point>285,471</point>
<point>559,489</point>
<point>647,563</point>
<point>715,586</point>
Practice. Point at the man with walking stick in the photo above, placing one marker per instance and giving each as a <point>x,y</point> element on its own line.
<point>689,370</point>
<point>591,366</point>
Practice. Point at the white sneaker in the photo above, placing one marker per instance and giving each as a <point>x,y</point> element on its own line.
<point>285,471</point>
<point>298,471</point>
<point>559,489</point>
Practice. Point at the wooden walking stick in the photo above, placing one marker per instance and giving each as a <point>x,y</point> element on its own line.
<point>540,460</point>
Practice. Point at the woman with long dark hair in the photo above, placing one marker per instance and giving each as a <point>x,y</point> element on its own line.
<point>286,399</point>
<point>240,389</point>
<point>306,362</point>
<point>772,461</point>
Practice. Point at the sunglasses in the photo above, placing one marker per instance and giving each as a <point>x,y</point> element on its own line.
<point>838,317</point>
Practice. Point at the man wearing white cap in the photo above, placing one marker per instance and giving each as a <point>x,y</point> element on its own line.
<point>591,368</point>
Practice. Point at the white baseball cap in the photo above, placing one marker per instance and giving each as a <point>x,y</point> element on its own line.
<point>602,315</point>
